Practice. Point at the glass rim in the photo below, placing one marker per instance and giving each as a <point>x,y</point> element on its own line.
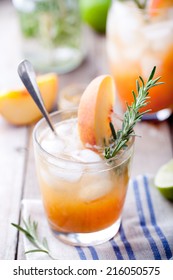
<point>61,158</point>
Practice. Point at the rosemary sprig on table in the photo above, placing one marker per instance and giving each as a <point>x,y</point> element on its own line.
<point>30,231</point>
<point>131,116</point>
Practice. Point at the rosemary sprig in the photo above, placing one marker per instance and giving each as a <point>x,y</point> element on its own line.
<point>132,116</point>
<point>30,231</point>
<point>141,4</point>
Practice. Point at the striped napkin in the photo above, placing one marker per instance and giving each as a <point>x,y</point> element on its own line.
<point>146,231</point>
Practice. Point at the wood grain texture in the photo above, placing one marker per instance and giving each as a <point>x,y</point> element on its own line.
<point>13,153</point>
<point>13,140</point>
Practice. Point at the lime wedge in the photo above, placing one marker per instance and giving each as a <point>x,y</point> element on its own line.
<point>164,180</point>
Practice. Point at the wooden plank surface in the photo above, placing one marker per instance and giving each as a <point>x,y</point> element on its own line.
<point>13,150</point>
<point>13,141</point>
<point>18,178</point>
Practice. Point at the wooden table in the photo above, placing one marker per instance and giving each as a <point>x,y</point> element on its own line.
<point>18,178</point>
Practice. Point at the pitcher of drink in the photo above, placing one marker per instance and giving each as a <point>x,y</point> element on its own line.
<point>139,36</point>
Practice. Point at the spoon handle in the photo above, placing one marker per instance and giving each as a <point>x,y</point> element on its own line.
<point>27,74</point>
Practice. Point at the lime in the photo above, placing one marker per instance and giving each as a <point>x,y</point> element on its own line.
<point>94,13</point>
<point>164,180</point>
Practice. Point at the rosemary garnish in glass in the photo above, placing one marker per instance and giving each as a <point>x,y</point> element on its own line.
<point>133,115</point>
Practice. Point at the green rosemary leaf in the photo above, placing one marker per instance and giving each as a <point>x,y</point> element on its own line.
<point>137,87</point>
<point>113,131</point>
<point>30,230</point>
<point>36,251</point>
<point>152,74</point>
<point>27,225</point>
<point>45,243</point>
<point>151,86</point>
<point>134,97</point>
<point>28,235</point>
<point>142,81</point>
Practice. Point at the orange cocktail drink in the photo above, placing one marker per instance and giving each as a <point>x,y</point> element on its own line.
<point>83,194</point>
<point>138,39</point>
<point>84,167</point>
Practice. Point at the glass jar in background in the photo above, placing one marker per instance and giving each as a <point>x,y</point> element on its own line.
<point>51,34</point>
<point>137,40</point>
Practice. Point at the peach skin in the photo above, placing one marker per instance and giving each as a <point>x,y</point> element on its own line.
<point>18,107</point>
<point>94,112</point>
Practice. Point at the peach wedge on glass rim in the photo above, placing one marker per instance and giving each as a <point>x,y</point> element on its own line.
<point>18,107</point>
<point>94,112</point>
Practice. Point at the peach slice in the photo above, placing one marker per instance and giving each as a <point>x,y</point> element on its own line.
<point>153,5</point>
<point>94,112</point>
<point>18,107</point>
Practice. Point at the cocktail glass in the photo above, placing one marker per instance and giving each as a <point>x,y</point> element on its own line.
<point>138,39</point>
<point>83,193</point>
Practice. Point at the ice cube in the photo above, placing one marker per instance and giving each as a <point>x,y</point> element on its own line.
<point>67,131</point>
<point>147,61</point>
<point>63,175</point>
<point>159,35</point>
<point>56,175</point>
<point>95,186</point>
<point>52,145</point>
<point>85,155</point>
<point>124,32</point>
<point>133,51</point>
<point>66,128</point>
<point>72,143</point>
<point>126,21</point>
<point>114,51</point>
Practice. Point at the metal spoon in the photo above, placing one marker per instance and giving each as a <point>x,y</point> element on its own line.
<point>27,74</point>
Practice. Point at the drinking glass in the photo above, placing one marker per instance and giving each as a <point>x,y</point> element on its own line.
<point>51,34</point>
<point>137,40</point>
<point>83,200</point>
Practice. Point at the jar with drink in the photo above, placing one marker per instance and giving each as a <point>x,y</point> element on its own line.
<point>139,36</point>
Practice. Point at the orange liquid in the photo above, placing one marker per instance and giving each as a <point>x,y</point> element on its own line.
<point>67,212</point>
<point>125,80</point>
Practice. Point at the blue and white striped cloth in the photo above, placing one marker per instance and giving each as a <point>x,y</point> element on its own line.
<point>146,231</point>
